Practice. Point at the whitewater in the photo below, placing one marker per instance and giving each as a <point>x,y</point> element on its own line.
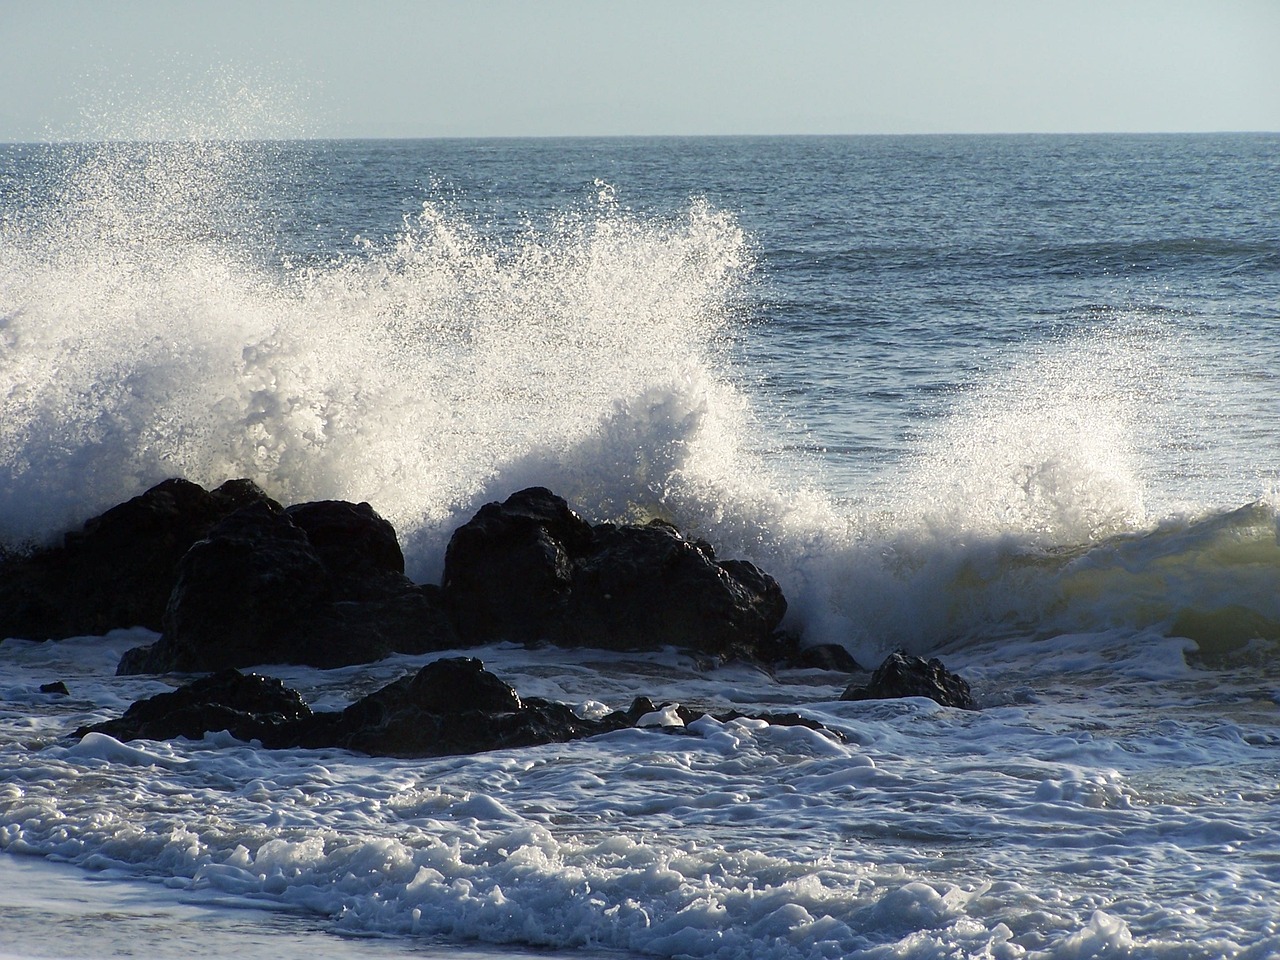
<point>1011,402</point>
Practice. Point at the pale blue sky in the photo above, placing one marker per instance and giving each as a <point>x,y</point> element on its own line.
<point>74,68</point>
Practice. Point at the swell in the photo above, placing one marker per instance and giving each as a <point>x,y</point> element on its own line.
<point>147,335</point>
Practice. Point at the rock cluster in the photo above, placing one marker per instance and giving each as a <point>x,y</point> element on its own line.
<point>451,706</point>
<point>622,587</point>
<point>320,584</point>
<point>232,579</point>
<point>119,570</point>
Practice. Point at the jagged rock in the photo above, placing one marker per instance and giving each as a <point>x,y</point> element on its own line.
<point>902,675</point>
<point>531,569</point>
<point>247,706</point>
<point>232,579</point>
<point>449,707</point>
<point>258,590</point>
<point>648,586</point>
<point>455,706</point>
<point>118,570</point>
<point>826,656</point>
<point>509,569</point>
<point>351,539</point>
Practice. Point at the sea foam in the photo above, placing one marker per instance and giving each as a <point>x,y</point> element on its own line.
<point>154,327</point>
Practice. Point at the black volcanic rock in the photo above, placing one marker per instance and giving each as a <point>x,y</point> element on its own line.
<point>232,579</point>
<point>643,587</point>
<point>118,570</point>
<point>450,707</point>
<point>351,539</point>
<point>509,569</point>
<point>530,569</point>
<point>249,707</point>
<point>902,675</point>
<point>258,590</point>
<point>826,656</point>
<point>455,706</point>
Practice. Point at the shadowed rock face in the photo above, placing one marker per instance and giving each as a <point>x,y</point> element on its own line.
<point>119,569</point>
<point>508,571</point>
<point>249,707</point>
<point>531,569</point>
<point>452,706</point>
<point>232,579</point>
<point>259,590</point>
<point>901,675</point>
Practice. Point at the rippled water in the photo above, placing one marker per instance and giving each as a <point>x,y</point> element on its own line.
<point>1010,401</point>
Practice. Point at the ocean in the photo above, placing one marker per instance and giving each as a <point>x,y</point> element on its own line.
<point>1009,401</point>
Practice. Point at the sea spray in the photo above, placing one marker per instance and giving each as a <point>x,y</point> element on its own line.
<point>144,342</point>
<point>149,330</point>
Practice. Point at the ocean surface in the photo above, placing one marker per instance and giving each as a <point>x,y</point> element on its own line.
<point>1013,402</point>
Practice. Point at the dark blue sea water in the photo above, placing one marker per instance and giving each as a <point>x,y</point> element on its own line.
<point>1012,401</point>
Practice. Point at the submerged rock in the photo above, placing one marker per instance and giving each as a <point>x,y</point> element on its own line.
<point>119,569</point>
<point>449,707</point>
<point>902,675</point>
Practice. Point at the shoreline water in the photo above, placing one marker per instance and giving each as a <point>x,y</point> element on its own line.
<point>57,911</point>
<point>1006,402</point>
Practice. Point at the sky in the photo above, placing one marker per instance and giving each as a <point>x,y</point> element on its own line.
<point>87,69</point>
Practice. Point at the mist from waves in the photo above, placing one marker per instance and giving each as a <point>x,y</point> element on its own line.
<point>145,335</point>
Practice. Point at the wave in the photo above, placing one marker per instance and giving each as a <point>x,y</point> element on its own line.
<point>143,341</point>
<point>146,335</point>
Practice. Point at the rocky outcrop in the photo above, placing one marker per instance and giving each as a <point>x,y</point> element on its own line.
<point>232,579</point>
<point>320,584</point>
<point>508,571</point>
<point>449,707</point>
<point>531,569</point>
<point>902,675</point>
<point>119,569</point>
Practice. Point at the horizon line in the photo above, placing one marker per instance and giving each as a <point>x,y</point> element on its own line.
<point>355,138</point>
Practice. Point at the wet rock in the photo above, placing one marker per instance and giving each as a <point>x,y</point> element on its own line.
<point>530,569</point>
<point>119,569</point>
<point>784,649</point>
<point>57,688</point>
<point>644,587</point>
<point>258,590</point>
<point>826,656</point>
<point>902,675</point>
<point>508,571</point>
<point>248,706</point>
<point>455,706</point>
<point>351,539</point>
<point>450,707</point>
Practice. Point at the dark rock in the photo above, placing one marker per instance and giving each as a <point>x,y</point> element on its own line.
<point>119,569</point>
<point>826,656</point>
<point>57,687</point>
<point>351,539</point>
<point>241,591</point>
<point>247,706</point>
<point>455,706</point>
<point>647,586</point>
<point>257,590</point>
<point>509,569</point>
<point>450,707</point>
<point>783,649</point>
<point>902,675</point>
<point>530,569</point>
